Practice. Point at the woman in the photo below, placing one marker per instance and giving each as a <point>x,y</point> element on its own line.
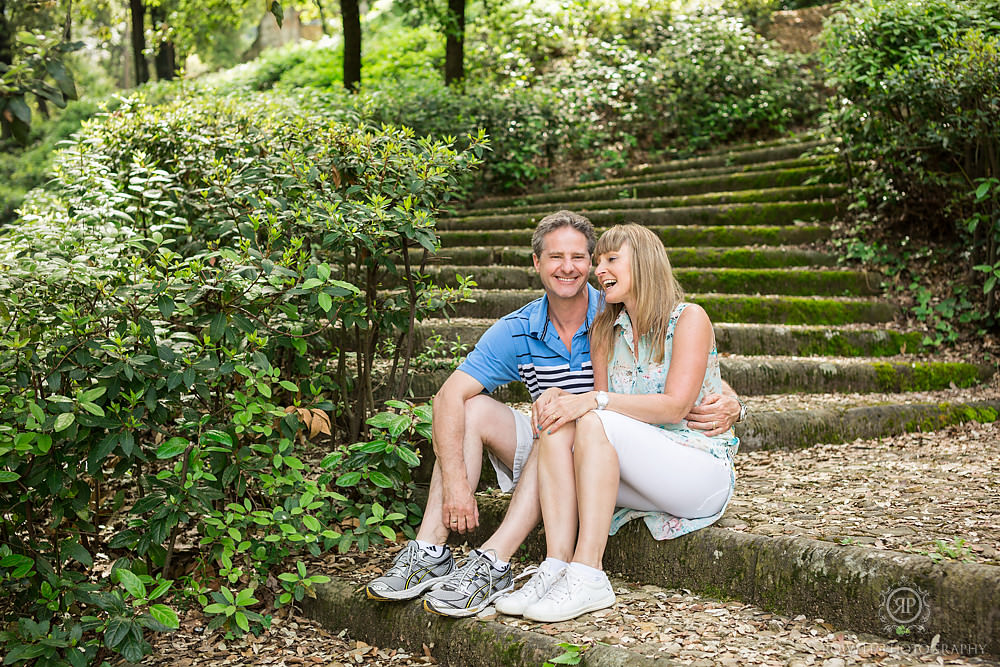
<point>626,444</point>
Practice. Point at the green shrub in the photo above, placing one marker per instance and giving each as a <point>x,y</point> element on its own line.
<point>195,307</point>
<point>918,107</point>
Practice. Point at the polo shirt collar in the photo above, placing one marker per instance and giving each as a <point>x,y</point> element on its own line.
<point>539,319</point>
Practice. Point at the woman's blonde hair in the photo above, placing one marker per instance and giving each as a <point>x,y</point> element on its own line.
<point>654,288</point>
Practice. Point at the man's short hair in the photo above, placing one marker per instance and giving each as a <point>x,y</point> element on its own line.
<point>552,222</point>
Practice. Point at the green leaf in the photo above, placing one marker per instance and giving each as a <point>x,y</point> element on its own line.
<point>64,421</point>
<point>132,583</point>
<point>323,271</point>
<point>63,77</point>
<point>349,479</point>
<point>311,523</point>
<point>93,408</point>
<point>241,618</point>
<point>288,386</point>
<point>76,551</point>
<point>44,443</point>
<point>36,412</point>
<point>388,532</point>
<point>218,327</point>
<point>164,615</point>
<point>215,608</point>
<point>325,301</point>
<point>981,191</point>
<point>380,480</point>
<point>171,448</point>
<point>92,395</point>
<point>276,11</point>
<point>20,110</point>
<point>312,283</point>
<point>166,305</point>
<point>394,423</point>
<point>408,456</point>
<point>220,437</point>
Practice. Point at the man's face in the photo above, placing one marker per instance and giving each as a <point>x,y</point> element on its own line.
<point>564,264</point>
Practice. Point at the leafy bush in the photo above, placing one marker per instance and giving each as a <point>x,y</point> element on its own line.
<point>179,323</point>
<point>919,104</point>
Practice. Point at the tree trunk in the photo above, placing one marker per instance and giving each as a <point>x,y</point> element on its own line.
<point>351,16</point>
<point>138,11</point>
<point>164,62</point>
<point>322,16</point>
<point>454,49</point>
<point>6,44</point>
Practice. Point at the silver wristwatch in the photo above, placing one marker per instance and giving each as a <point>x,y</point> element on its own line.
<point>743,410</point>
<point>602,400</point>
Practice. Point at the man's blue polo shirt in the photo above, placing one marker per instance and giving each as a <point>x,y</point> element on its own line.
<point>525,346</point>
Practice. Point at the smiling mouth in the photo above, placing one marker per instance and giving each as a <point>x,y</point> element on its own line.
<point>608,284</point>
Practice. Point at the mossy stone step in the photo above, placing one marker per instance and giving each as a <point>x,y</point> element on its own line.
<point>686,235</point>
<point>757,258</point>
<point>720,307</point>
<point>784,184</point>
<point>797,281</point>
<point>845,585</point>
<point>687,173</point>
<point>767,213</point>
<point>754,376</point>
<point>743,339</point>
<point>730,157</point>
<point>788,184</point>
<point>469,642</point>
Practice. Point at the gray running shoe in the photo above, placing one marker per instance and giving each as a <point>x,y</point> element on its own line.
<point>413,571</point>
<point>470,588</point>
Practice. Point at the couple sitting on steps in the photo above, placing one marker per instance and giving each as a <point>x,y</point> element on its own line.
<point>629,412</point>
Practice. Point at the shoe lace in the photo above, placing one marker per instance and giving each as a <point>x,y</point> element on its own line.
<point>477,568</point>
<point>404,562</point>
<point>561,588</point>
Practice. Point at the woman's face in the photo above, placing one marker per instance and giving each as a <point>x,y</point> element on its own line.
<point>614,273</point>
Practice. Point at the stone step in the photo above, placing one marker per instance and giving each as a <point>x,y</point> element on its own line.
<point>743,339</point>
<point>845,585</point>
<point>794,281</point>
<point>649,625</point>
<point>772,425</point>
<point>772,309</point>
<point>731,157</point>
<point>757,258</point>
<point>751,376</point>
<point>645,213</point>
<point>778,185</point>
<point>687,235</point>
<point>341,604</point>
<point>687,173</point>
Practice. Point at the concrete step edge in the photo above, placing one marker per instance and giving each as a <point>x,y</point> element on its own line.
<point>845,585</point>
<point>813,208</point>
<point>758,376</point>
<point>463,642</point>
<point>668,193</point>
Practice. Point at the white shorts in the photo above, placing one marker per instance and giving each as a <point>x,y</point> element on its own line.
<point>507,478</point>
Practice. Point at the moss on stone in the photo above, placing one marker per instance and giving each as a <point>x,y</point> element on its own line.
<point>924,376</point>
<point>687,235</point>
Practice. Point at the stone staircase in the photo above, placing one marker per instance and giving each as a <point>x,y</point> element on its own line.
<point>742,227</point>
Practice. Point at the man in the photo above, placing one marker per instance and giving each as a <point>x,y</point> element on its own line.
<point>545,345</point>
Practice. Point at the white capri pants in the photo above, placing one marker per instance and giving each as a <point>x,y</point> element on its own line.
<point>659,474</point>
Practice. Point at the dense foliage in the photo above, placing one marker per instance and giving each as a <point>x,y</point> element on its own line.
<point>181,320</point>
<point>574,83</point>
<point>918,106</point>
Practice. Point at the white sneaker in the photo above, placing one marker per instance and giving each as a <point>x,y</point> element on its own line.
<point>570,596</point>
<point>542,578</point>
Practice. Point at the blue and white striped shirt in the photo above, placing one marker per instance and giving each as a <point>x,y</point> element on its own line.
<point>525,346</point>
